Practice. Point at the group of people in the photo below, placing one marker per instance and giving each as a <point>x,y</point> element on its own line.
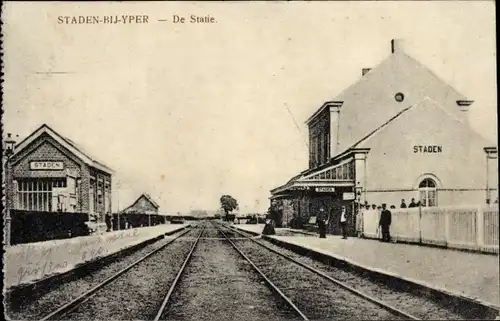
<point>384,223</point>
<point>412,204</point>
<point>323,220</point>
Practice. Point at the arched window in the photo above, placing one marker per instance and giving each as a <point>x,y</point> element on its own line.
<point>428,192</point>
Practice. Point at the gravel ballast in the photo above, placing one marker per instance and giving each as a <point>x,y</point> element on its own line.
<point>317,298</point>
<point>218,284</point>
<point>419,306</point>
<point>66,292</point>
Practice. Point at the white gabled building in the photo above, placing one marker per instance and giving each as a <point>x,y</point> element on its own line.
<point>398,133</point>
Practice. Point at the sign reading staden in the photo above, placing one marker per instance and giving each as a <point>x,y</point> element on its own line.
<point>47,166</point>
<point>427,149</point>
<point>325,189</point>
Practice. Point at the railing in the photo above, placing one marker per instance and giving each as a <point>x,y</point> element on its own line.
<point>466,227</point>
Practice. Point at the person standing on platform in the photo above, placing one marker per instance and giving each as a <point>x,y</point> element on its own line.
<point>403,204</point>
<point>343,222</point>
<point>413,204</point>
<point>385,223</point>
<point>321,223</point>
<point>360,220</point>
<point>107,220</point>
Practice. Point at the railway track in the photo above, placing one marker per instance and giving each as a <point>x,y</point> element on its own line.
<point>162,313</point>
<point>391,309</point>
<point>405,302</point>
<point>67,308</point>
<point>297,289</point>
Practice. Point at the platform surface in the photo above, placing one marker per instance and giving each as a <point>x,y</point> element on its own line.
<point>26,263</point>
<point>474,275</point>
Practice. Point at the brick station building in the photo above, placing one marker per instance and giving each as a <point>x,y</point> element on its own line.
<point>49,172</point>
<point>398,133</point>
<point>144,205</point>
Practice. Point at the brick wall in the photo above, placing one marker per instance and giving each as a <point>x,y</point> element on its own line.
<point>47,149</point>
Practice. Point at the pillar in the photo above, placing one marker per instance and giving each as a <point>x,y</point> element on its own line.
<point>360,173</point>
<point>334,126</point>
<point>491,156</point>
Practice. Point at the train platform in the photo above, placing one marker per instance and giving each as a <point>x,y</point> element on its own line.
<point>459,273</point>
<point>28,263</point>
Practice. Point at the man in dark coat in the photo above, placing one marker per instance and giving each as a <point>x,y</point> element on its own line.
<point>403,204</point>
<point>413,204</point>
<point>321,218</point>
<point>385,223</point>
<point>107,220</point>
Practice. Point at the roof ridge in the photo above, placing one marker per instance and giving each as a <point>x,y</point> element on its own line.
<point>434,75</point>
<point>397,115</point>
<point>44,128</point>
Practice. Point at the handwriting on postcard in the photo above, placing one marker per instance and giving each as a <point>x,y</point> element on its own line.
<point>37,262</point>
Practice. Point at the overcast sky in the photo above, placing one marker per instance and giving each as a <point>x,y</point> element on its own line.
<point>190,112</point>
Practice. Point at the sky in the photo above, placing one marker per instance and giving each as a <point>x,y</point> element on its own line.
<point>189,112</point>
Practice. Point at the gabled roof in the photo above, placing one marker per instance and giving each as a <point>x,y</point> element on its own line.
<point>370,102</point>
<point>147,197</point>
<point>425,103</point>
<point>150,200</point>
<point>78,151</point>
<point>363,143</point>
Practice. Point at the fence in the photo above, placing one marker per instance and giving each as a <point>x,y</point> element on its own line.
<point>466,227</point>
<point>33,226</point>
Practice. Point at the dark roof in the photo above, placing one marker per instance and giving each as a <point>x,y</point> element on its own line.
<point>67,143</point>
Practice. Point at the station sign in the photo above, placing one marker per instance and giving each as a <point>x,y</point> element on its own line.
<point>348,196</point>
<point>47,166</point>
<point>300,188</point>
<point>325,189</point>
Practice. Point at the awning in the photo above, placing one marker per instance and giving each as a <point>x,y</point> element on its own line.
<point>326,179</point>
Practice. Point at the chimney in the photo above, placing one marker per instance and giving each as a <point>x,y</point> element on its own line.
<point>464,104</point>
<point>364,71</point>
<point>397,45</point>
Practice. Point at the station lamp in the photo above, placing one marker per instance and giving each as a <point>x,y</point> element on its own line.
<point>9,144</point>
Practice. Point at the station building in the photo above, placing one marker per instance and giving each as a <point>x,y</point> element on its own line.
<point>398,133</point>
<point>48,172</point>
<point>144,205</point>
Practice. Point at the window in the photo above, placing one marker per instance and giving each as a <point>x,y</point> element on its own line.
<point>92,196</point>
<point>399,97</point>
<point>428,192</point>
<point>36,195</point>
<point>107,198</point>
<point>351,171</point>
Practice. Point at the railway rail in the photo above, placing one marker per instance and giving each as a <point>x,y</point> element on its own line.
<point>287,281</point>
<point>337,282</point>
<point>391,309</point>
<point>72,305</point>
<point>422,304</point>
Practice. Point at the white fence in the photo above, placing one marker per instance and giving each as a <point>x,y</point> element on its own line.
<point>467,227</point>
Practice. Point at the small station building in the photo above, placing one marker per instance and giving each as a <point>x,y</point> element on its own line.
<point>51,173</point>
<point>144,205</point>
<point>398,133</point>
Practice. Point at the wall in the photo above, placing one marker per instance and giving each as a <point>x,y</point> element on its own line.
<point>445,197</point>
<point>393,165</point>
<point>319,139</point>
<point>43,149</point>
